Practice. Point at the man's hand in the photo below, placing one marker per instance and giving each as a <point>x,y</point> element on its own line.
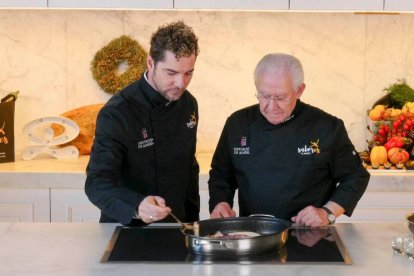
<point>311,216</point>
<point>222,210</point>
<point>153,208</point>
<point>315,217</point>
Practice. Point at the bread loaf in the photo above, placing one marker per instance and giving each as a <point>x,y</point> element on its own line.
<point>85,117</point>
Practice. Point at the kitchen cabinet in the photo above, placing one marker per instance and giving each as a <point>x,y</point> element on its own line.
<point>24,3</point>
<point>24,205</point>
<point>337,5</point>
<point>143,4</point>
<point>52,190</point>
<point>72,205</point>
<point>233,4</point>
<point>398,5</point>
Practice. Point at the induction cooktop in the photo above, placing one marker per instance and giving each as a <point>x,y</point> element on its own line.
<point>164,242</point>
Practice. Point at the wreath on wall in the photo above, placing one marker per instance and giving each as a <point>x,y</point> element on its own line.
<point>105,66</point>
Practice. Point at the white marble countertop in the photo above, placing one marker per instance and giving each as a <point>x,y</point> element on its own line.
<point>70,174</point>
<point>76,249</point>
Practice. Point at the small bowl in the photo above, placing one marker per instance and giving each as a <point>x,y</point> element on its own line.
<point>387,165</point>
<point>400,166</point>
<point>375,165</point>
<point>410,220</point>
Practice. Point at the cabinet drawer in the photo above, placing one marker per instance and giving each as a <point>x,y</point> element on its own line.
<point>24,205</point>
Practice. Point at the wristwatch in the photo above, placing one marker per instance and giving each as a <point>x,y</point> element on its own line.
<point>331,216</point>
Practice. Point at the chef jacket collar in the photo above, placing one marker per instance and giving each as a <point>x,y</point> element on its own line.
<point>153,96</point>
<point>298,108</point>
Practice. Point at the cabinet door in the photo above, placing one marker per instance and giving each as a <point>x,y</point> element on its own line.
<point>24,205</point>
<point>72,206</point>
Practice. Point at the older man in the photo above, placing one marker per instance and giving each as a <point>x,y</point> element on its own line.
<point>285,157</point>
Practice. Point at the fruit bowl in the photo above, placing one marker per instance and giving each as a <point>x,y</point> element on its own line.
<point>410,220</point>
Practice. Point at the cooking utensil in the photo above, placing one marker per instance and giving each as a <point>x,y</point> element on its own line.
<point>273,235</point>
<point>184,225</point>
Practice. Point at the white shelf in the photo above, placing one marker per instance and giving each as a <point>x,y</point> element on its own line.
<point>301,5</point>
<point>233,4</point>
<point>23,3</point>
<point>399,5</point>
<point>337,5</point>
<point>294,5</point>
<point>116,4</point>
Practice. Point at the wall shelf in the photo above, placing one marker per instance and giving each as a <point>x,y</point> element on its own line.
<point>277,5</point>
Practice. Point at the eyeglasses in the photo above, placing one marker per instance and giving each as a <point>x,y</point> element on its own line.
<point>282,101</point>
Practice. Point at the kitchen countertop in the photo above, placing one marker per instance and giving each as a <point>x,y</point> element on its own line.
<point>76,249</point>
<point>62,173</point>
<point>70,174</point>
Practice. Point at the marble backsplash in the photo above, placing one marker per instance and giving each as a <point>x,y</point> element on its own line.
<point>348,59</point>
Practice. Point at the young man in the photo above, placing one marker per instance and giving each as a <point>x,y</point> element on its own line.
<point>286,158</point>
<point>143,163</point>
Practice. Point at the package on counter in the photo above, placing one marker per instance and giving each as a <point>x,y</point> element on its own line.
<point>7,105</point>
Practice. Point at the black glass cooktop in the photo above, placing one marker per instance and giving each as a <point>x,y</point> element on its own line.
<point>166,243</point>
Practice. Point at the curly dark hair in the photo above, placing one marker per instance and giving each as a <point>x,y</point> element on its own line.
<point>175,37</point>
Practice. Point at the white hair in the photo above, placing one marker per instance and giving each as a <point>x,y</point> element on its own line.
<point>277,63</point>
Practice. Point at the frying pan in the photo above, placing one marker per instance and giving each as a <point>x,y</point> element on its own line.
<point>273,235</point>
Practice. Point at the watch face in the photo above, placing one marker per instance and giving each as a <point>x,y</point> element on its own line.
<point>331,218</point>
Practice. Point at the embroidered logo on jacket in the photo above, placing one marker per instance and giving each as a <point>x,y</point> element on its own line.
<point>193,121</point>
<point>312,149</point>
<point>146,142</point>
<point>144,133</point>
<point>243,149</point>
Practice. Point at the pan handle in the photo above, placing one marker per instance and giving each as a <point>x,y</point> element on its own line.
<point>262,215</point>
<point>213,242</point>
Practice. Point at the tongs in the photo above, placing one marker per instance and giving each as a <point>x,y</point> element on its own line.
<point>187,226</point>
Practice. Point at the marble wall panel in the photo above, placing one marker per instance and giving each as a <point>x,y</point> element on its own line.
<point>389,53</point>
<point>87,32</point>
<point>33,60</point>
<point>348,59</point>
<point>331,47</point>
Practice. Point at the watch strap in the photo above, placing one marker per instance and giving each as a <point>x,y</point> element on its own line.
<point>331,216</point>
<point>327,210</point>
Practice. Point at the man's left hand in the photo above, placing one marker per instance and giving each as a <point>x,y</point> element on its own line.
<point>311,216</point>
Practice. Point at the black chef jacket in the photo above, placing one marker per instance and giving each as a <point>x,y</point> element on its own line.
<point>144,146</point>
<point>281,169</point>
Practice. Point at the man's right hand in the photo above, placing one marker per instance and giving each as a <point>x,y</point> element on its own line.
<point>153,208</point>
<point>222,210</point>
